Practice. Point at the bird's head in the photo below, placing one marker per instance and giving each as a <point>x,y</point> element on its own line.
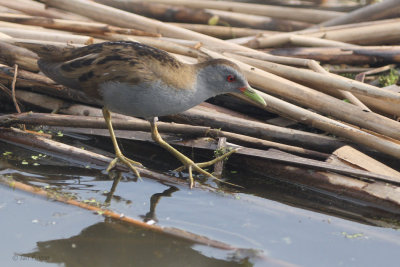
<point>223,76</point>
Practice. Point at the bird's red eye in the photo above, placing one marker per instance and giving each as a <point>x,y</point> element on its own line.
<point>230,78</point>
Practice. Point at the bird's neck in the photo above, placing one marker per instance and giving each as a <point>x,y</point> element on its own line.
<point>181,78</point>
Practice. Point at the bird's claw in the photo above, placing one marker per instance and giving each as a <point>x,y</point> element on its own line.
<point>191,166</point>
<point>127,161</point>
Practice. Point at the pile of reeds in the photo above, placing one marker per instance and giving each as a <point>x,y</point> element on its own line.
<point>280,49</point>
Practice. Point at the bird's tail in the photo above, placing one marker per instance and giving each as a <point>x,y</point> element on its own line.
<point>53,51</point>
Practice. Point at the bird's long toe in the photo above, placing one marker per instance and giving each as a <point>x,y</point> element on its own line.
<point>217,159</point>
<point>127,161</point>
<point>198,167</point>
<point>187,162</point>
<point>191,166</point>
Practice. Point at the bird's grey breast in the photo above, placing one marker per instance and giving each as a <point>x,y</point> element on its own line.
<point>149,99</point>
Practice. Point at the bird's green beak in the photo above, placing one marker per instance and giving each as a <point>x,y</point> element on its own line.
<point>251,93</point>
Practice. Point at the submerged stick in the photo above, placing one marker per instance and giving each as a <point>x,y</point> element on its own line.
<point>175,232</point>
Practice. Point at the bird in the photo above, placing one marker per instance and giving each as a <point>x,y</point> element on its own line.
<point>139,80</point>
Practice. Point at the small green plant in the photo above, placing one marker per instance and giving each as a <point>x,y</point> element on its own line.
<point>352,236</point>
<point>389,79</point>
<point>221,151</point>
<point>349,75</point>
<point>213,20</point>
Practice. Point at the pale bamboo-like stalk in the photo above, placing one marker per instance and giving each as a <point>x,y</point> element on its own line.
<point>318,79</point>
<point>300,40</point>
<point>39,9</point>
<point>4,9</point>
<point>258,78</point>
<point>165,12</point>
<point>163,44</point>
<point>121,18</point>
<point>380,33</point>
<point>133,124</point>
<point>357,136</point>
<point>243,41</point>
<point>299,14</point>
<point>345,55</point>
<point>372,33</point>
<point>46,36</point>
<point>223,32</point>
<point>379,10</point>
<point>257,21</point>
<point>69,25</point>
<point>352,157</point>
<point>5,24</point>
<point>301,62</point>
<point>118,16</point>
<point>317,68</point>
<point>24,58</point>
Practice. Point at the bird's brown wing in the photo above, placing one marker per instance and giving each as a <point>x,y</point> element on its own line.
<point>87,67</point>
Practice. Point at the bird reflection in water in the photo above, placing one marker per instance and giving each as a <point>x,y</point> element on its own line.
<point>149,217</point>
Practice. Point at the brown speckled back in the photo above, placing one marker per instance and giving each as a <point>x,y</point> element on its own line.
<point>87,67</point>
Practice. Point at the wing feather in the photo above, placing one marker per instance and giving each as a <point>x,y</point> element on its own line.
<point>86,68</point>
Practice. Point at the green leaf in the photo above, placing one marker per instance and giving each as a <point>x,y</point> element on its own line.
<point>213,20</point>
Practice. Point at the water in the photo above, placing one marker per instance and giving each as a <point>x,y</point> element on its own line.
<point>275,223</point>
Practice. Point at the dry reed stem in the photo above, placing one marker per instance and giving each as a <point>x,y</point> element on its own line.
<point>371,33</point>
<point>14,81</point>
<point>379,10</point>
<point>223,32</point>
<point>317,68</point>
<point>383,145</point>
<point>39,9</point>
<point>70,25</point>
<point>299,14</point>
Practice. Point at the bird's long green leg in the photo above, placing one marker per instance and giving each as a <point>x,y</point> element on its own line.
<point>187,162</point>
<point>119,156</point>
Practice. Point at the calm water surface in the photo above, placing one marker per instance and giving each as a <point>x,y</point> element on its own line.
<point>274,222</point>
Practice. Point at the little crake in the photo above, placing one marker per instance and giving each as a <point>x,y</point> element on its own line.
<point>142,81</point>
